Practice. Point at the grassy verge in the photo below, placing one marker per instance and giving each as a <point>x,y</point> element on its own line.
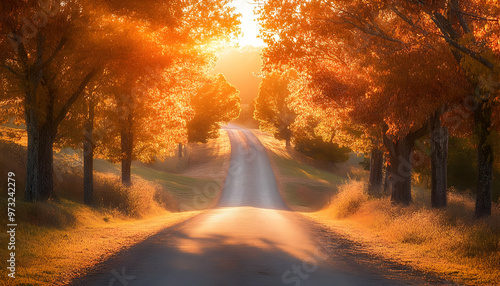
<point>55,255</point>
<point>450,242</point>
<point>56,240</point>
<point>303,186</point>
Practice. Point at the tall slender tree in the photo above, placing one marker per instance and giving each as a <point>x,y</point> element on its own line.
<point>271,107</point>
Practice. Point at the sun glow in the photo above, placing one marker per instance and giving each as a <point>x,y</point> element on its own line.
<point>249,25</point>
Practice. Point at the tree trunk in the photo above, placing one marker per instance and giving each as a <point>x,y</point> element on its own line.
<point>88,157</point>
<point>46,162</point>
<point>287,134</point>
<point>376,175</point>
<point>439,161</point>
<point>32,127</point>
<point>482,119</point>
<point>400,171</point>
<point>387,181</point>
<point>40,164</point>
<point>31,189</point>
<point>400,151</point>
<point>126,139</point>
<point>127,146</point>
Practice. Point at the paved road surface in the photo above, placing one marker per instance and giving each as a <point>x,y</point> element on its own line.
<point>251,238</point>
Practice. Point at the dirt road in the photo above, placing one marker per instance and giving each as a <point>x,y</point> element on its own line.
<point>251,238</point>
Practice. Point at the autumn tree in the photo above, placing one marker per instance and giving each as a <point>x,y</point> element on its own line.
<point>271,107</point>
<point>42,52</point>
<point>470,29</point>
<point>363,36</point>
<point>334,81</point>
<point>146,93</point>
<point>53,49</point>
<point>310,143</point>
<point>82,127</point>
<point>134,86</point>
<point>330,95</point>
<point>183,47</point>
<point>427,91</point>
<point>214,103</point>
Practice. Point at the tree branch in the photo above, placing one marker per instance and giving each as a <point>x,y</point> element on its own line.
<point>408,20</point>
<point>450,36</point>
<point>11,70</point>
<point>64,110</point>
<point>455,7</point>
<point>20,50</point>
<point>371,28</point>
<point>56,51</point>
<point>422,131</point>
<point>479,17</point>
<point>368,31</point>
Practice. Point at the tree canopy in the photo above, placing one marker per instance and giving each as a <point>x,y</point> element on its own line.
<point>383,74</point>
<point>130,58</point>
<point>215,102</point>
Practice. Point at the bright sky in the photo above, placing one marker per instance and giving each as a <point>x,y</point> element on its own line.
<point>249,25</point>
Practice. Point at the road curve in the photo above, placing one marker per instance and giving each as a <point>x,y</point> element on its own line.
<point>251,238</point>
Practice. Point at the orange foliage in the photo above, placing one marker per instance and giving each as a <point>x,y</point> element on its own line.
<point>386,62</point>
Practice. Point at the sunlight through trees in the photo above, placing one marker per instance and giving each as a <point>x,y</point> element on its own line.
<point>124,67</point>
<point>391,70</point>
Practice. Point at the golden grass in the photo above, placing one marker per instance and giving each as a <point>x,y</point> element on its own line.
<point>349,199</point>
<point>142,199</point>
<point>449,242</point>
<point>210,160</point>
<point>274,145</point>
<point>59,238</point>
<point>48,256</point>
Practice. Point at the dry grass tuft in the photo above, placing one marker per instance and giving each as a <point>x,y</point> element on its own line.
<point>349,199</point>
<point>452,233</point>
<point>142,199</point>
<point>136,201</point>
